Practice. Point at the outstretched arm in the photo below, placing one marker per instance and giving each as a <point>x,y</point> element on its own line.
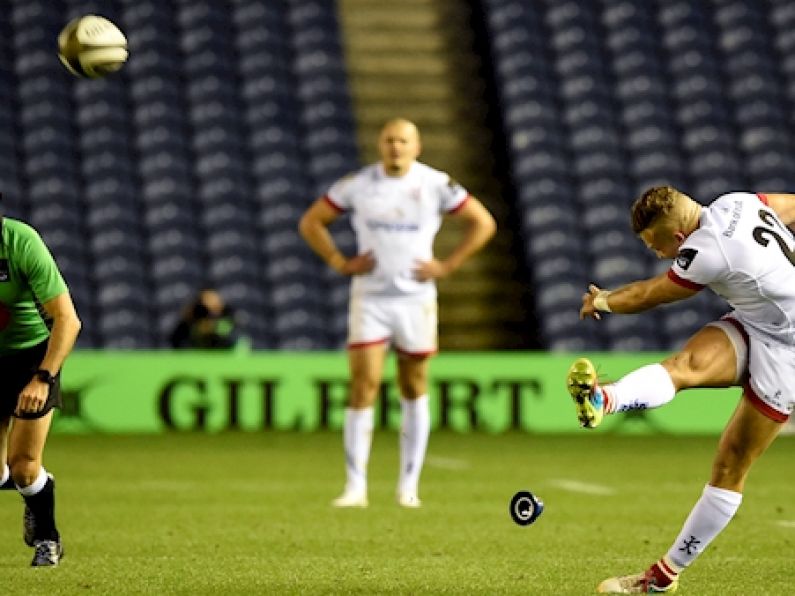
<point>635,297</point>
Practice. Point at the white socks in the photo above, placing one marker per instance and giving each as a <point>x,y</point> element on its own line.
<point>35,487</point>
<point>643,389</point>
<point>415,428</point>
<point>713,512</point>
<point>4,475</point>
<point>357,438</point>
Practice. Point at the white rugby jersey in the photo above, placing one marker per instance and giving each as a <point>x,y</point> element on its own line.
<point>743,252</point>
<point>397,219</point>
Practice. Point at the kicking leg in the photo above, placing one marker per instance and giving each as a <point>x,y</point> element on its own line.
<point>710,358</point>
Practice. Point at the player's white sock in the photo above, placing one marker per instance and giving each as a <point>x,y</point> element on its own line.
<point>5,474</point>
<point>415,428</point>
<point>643,389</point>
<point>357,438</point>
<point>34,487</point>
<point>713,512</point>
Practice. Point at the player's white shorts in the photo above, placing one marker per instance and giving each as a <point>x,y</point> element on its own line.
<point>409,322</point>
<point>770,368</point>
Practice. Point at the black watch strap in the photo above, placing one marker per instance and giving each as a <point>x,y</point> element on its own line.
<point>45,376</point>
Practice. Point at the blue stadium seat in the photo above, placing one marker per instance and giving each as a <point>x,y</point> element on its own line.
<point>544,244</point>
<point>115,268</point>
<point>603,218</point>
<point>123,329</point>
<point>177,267</point>
<point>613,270</point>
<point>173,240</point>
<point>63,215</point>
<point>562,266</point>
<point>170,297</point>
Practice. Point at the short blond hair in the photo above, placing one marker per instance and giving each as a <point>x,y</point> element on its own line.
<point>656,203</point>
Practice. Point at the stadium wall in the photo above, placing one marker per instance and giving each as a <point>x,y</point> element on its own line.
<point>152,392</point>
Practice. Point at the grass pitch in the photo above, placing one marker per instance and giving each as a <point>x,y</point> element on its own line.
<point>250,514</point>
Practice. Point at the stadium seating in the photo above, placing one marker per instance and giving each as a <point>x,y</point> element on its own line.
<point>600,100</point>
<point>189,168</point>
<point>193,165</point>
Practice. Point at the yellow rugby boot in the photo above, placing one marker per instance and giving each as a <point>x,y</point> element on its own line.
<point>581,381</point>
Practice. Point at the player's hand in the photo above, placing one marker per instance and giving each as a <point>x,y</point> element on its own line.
<point>433,269</point>
<point>32,397</point>
<point>358,265</point>
<point>588,309</point>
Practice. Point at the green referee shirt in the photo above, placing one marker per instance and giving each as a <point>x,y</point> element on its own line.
<point>28,277</point>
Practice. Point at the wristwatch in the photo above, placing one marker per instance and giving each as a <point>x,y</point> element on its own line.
<point>44,376</point>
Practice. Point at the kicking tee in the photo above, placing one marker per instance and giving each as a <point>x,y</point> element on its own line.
<point>746,255</point>
<point>29,277</point>
<point>397,219</point>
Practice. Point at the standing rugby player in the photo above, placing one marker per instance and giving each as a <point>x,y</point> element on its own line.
<point>397,206</point>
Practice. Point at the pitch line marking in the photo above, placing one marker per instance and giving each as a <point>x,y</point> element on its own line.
<point>446,463</point>
<point>575,486</point>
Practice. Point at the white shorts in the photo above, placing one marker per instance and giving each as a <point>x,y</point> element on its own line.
<point>770,367</point>
<point>410,322</point>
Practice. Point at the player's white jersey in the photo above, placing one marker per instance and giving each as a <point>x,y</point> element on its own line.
<point>397,219</point>
<point>743,252</point>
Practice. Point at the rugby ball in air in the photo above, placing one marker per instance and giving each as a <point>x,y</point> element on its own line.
<point>91,47</point>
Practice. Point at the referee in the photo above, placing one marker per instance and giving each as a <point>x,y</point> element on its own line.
<point>38,327</point>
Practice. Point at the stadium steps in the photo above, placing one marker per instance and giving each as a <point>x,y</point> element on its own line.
<point>414,59</point>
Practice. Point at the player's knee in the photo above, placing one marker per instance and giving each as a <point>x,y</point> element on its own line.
<point>23,470</point>
<point>413,385</point>
<point>686,369</point>
<point>363,392</point>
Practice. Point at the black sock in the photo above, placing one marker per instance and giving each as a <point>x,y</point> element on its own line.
<point>42,505</point>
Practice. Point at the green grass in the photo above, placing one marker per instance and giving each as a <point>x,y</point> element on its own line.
<point>250,514</point>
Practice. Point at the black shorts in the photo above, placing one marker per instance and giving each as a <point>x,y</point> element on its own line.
<point>16,371</point>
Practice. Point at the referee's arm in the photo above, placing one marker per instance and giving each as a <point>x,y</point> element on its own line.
<point>65,328</point>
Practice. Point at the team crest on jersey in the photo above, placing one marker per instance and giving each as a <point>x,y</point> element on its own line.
<point>4,273</point>
<point>685,257</point>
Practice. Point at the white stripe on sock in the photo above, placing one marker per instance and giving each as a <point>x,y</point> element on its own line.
<point>35,487</point>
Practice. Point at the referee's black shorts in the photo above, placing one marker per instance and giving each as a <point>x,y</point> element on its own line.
<point>16,371</point>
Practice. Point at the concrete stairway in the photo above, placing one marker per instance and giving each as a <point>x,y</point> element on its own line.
<point>414,59</point>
